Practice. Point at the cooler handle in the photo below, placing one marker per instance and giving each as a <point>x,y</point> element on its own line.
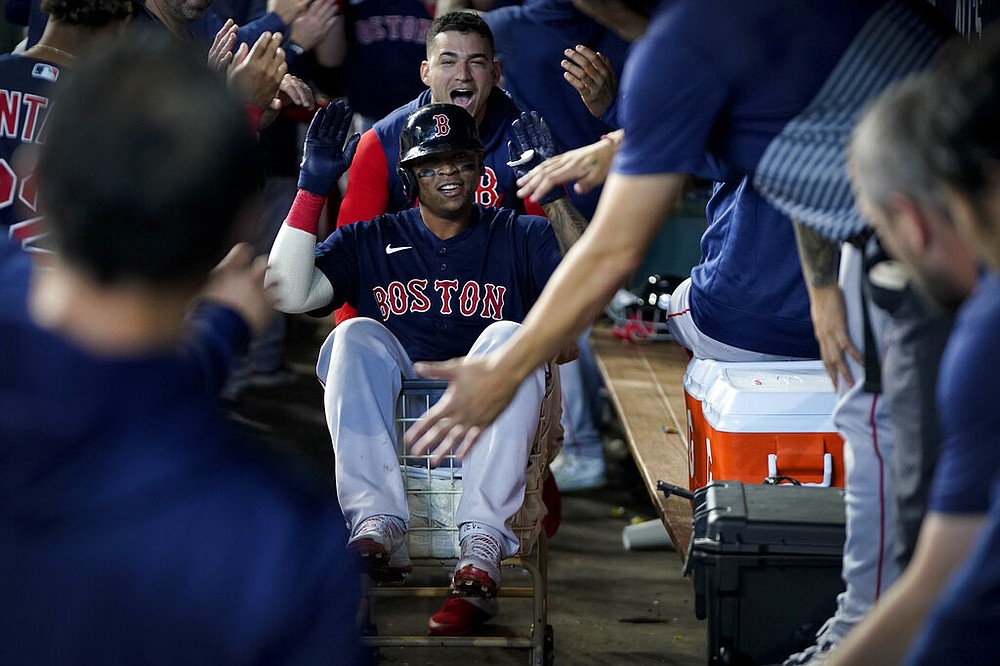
<point>772,469</point>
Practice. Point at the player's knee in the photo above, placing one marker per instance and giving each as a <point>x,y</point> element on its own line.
<point>494,336</point>
<point>360,331</point>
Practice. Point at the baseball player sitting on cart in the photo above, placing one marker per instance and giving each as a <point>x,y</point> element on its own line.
<point>444,279</point>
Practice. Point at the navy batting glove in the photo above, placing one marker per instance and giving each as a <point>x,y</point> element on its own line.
<point>532,145</point>
<point>325,158</point>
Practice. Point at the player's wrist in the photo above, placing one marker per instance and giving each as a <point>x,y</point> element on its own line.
<point>318,181</point>
<point>557,193</point>
<point>614,138</point>
<point>306,211</point>
<point>253,113</point>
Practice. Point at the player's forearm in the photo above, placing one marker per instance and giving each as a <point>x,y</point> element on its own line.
<point>627,219</point>
<point>572,299</point>
<point>298,286</point>
<point>567,222</point>
<point>819,257</point>
<point>217,335</point>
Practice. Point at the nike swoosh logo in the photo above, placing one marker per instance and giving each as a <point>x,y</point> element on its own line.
<point>389,249</point>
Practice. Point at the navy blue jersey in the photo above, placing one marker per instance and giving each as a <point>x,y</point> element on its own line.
<point>498,187</point>
<point>386,44</point>
<point>25,86</point>
<point>704,92</point>
<point>969,459</point>
<point>437,296</point>
<point>202,31</point>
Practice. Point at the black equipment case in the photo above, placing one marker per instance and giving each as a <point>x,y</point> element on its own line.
<point>766,562</point>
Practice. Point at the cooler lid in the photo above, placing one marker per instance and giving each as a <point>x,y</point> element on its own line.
<point>731,516</point>
<point>699,375</point>
<point>792,397</point>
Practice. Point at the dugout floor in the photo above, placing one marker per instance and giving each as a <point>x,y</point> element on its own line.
<point>607,606</point>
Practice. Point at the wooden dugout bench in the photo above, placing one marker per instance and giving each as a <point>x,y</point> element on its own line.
<point>645,383</point>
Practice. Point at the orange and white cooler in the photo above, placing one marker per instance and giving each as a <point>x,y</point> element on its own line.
<point>698,378</point>
<point>771,419</point>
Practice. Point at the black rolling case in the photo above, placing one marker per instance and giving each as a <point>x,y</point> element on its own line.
<point>766,564</point>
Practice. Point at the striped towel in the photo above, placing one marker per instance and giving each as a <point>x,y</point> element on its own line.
<point>803,171</point>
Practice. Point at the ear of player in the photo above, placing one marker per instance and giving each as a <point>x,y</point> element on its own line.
<point>532,145</point>
<point>325,157</point>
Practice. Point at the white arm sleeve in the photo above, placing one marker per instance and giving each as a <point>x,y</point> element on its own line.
<point>298,286</point>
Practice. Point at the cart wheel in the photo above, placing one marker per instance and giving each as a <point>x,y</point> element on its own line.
<point>549,646</point>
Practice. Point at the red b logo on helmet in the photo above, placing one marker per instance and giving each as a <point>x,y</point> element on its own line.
<point>442,127</point>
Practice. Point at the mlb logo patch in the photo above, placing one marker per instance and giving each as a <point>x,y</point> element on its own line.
<point>45,71</point>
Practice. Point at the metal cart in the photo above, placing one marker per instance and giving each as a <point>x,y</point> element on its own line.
<point>432,539</point>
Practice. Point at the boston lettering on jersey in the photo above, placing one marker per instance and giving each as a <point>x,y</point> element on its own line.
<point>445,296</point>
<point>392,29</point>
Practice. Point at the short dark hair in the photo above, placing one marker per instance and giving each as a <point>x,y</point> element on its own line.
<point>148,164</point>
<point>461,22</point>
<point>90,13</point>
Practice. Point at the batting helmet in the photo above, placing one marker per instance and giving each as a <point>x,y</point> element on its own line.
<point>431,130</point>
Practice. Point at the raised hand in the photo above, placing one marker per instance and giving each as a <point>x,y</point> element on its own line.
<point>593,77</point>
<point>287,10</point>
<point>314,24</point>
<point>293,91</point>
<point>220,54</point>
<point>532,145</point>
<point>256,74</point>
<point>325,158</point>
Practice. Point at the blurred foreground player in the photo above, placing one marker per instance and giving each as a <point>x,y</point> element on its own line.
<point>137,527</point>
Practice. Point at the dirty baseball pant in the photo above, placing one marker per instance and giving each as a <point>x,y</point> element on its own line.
<point>362,365</point>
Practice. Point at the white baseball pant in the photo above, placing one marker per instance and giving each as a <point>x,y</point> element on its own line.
<point>362,365</point>
<point>687,334</point>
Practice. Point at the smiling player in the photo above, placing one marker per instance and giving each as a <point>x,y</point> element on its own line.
<point>447,278</point>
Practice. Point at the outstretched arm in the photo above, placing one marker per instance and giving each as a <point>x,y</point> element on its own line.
<point>630,212</point>
<point>231,308</point>
<point>299,286</point>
